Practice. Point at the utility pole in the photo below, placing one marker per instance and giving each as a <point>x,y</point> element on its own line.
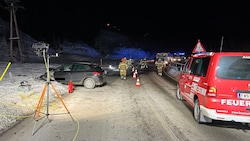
<point>221,44</point>
<point>12,7</point>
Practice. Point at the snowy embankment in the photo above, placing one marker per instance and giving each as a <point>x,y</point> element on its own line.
<point>17,101</point>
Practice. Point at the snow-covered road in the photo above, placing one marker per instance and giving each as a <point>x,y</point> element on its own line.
<point>121,111</point>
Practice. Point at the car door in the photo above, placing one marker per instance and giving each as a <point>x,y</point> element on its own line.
<point>188,80</point>
<point>78,73</point>
<point>196,81</point>
<point>183,76</point>
<point>63,73</point>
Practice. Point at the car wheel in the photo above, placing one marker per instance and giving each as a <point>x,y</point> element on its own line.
<point>197,111</point>
<point>89,83</point>
<point>178,95</point>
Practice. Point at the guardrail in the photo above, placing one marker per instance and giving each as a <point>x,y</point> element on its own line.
<point>177,66</point>
<point>173,70</point>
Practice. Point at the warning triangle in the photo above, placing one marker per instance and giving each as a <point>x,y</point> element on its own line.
<point>198,48</point>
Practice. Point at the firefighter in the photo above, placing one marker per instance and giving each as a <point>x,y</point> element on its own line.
<point>143,63</point>
<point>123,66</point>
<point>159,65</point>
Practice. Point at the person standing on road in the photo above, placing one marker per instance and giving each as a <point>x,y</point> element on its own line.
<point>123,66</point>
<point>143,63</point>
<point>159,65</point>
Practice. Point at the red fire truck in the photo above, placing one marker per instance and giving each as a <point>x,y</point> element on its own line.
<point>216,85</point>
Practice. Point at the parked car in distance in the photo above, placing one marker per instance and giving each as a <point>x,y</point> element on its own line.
<point>86,74</point>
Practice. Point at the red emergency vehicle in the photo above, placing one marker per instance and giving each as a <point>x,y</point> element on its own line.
<point>216,85</point>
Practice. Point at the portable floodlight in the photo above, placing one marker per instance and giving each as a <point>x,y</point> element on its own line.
<point>11,1</point>
<point>40,47</point>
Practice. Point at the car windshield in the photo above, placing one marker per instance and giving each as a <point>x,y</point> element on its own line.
<point>234,67</point>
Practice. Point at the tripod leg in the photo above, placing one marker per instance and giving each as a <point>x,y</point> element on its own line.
<point>60,98</point>
<point>38,108</point>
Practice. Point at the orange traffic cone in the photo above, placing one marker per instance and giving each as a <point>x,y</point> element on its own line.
<point>137,84</point>
<point>134,76</point>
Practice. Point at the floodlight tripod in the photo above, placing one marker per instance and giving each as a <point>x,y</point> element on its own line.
<point>46,87</point>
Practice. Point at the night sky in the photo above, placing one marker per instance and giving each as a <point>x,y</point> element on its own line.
<point>177,22</point>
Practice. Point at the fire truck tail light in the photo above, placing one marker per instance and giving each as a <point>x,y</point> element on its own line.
<point>211,91</point>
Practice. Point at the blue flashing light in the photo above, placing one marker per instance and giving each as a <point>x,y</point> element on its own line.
<point>179,53</point>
